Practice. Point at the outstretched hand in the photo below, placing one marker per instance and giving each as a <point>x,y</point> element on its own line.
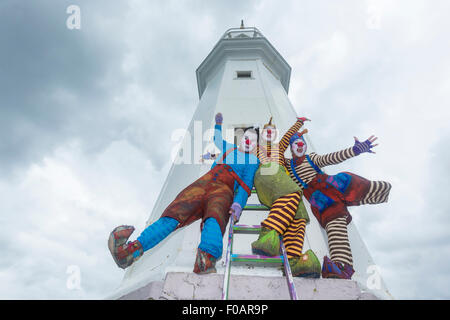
<point>219,118</point>
<point>303,119</point>
<point>235,211</point>
<point>208,156</point>
<point>365,146</point>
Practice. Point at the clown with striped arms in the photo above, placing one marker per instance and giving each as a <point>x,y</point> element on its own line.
<point>288,216</point>
<point>330,195</point>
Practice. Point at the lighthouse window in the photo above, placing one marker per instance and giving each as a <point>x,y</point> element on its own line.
<point>244,74</point>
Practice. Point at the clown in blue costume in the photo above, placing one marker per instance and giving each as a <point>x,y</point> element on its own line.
<point>222,191</point>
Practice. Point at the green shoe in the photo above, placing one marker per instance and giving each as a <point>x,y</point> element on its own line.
<point>268,243</point>
<point>306,266</point>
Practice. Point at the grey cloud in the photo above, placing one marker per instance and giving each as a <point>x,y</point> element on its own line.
<point>129,75</point>
<point>58,84</point>
<point>42,59</point>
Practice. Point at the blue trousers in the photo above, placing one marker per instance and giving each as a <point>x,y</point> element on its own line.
<point>211,238</point>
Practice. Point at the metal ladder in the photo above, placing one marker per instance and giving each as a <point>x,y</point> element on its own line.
<point>230,257</point>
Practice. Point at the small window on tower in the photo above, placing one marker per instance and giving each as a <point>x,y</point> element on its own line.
<point>243,74</point>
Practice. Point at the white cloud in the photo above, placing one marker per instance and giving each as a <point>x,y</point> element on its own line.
<point>60,213</point>
<point>92,151</point>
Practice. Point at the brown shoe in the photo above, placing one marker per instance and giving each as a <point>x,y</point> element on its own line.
<point>204,263</point>
<point>123,253</point>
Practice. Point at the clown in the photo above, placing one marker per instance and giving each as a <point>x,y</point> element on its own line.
<point>222,191</point>
<point>287,216</point>
<point>329,197</point>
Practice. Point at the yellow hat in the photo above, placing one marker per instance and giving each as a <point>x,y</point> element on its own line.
<point>269,124</point>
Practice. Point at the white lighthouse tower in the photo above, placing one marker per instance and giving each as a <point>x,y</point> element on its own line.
<point>247,80</point>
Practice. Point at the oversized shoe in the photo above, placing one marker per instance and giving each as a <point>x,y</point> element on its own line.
<point>336,270</point>
<point>305,266</point>
<point>204,263</point>
<point>268,243</point>
<point>123,253</point>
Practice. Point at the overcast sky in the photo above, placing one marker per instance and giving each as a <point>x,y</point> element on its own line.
<point>86,118</point>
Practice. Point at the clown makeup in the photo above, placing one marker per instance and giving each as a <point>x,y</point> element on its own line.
<point>269,134</point>
<point>249,141</point>
<point>298,148</point>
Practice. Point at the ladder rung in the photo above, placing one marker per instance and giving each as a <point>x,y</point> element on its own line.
<point>256,207</point>
<point>242,228</point>
<point>253,190</point>
<point>256,258</point>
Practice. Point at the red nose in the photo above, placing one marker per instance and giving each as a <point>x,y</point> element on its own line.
<point>247,141</point>
<point>300,144</point>
<point>269,131</point>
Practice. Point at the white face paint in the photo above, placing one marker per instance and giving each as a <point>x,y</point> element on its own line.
<point>248,142</point>
<point>269,134</point>
<point>298,148</point>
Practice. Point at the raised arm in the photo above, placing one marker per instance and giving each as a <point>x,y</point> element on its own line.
<point>340,156</point>
<point>218,138</point>
<point>241,196</point>
<point>248,175</point>
<point>332,158</point>
<point>284,142</point>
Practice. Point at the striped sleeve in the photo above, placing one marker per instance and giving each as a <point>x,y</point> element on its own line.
<point>261,153</point>
<point>332,158</point>
<point>284,143</point>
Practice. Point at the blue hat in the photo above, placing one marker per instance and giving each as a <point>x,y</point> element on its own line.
<point>298,135</point>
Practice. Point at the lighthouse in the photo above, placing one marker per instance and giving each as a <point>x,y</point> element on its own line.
<point>246,79</point>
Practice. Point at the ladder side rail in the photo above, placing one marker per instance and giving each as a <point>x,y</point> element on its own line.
<point>288,273</point>
<point>226,276</point>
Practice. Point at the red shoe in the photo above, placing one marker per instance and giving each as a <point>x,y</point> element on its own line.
<point>336,270</point>
<point>124,254</point>
<point>204,263</point>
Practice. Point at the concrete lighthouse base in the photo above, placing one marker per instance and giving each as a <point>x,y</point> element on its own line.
<point>190,286</point>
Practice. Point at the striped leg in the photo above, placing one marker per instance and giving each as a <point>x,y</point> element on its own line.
<point>338,241</point>
<point>282,213</point>
<point>378,193</point>
<point>293,238</point>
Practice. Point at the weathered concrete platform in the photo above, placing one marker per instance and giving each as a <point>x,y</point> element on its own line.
<point>190,286</point>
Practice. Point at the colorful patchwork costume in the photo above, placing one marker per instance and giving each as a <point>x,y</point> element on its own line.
<point>226,186</point>
<point>288,216</point>
<point>330,195</point>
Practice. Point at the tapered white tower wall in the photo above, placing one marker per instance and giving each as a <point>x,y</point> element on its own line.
<point>243,101</point>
